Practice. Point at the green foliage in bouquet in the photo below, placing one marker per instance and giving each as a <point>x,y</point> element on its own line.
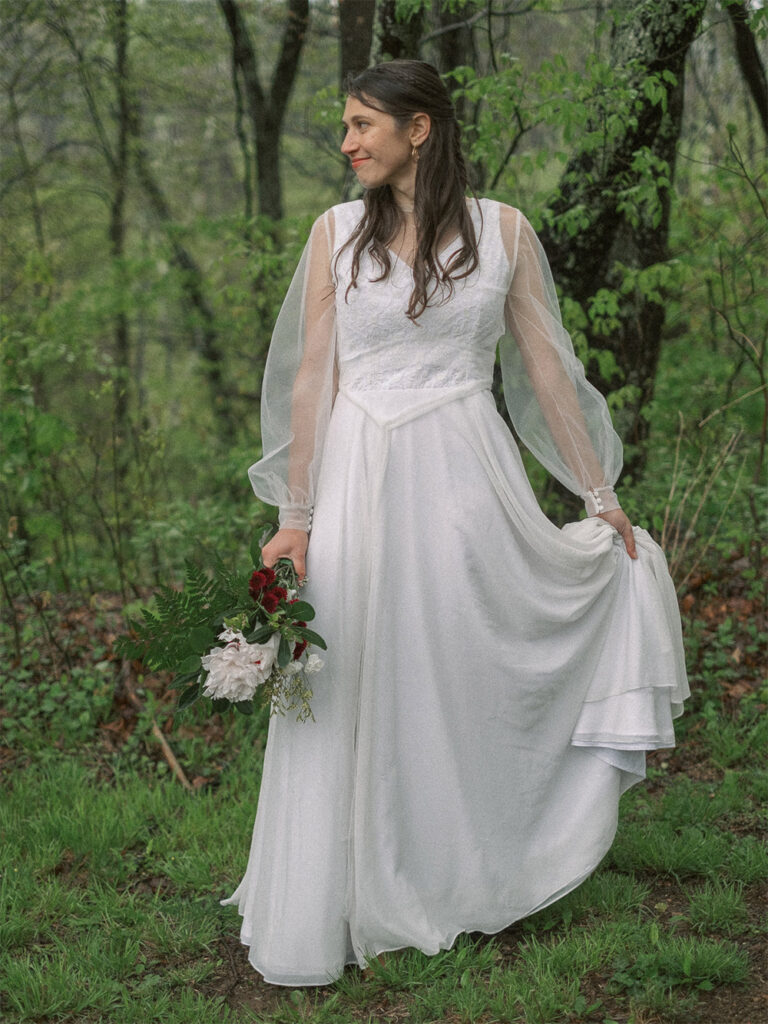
<point>234,637</point>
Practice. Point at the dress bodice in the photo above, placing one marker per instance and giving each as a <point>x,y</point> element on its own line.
<point>332,338</point>
<point>451,344</point>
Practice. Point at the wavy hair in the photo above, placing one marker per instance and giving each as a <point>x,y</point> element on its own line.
<point>403,88</point>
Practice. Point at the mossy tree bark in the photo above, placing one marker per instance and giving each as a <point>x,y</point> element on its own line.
<point>650,37</point>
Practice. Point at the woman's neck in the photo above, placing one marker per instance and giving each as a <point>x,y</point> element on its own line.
<point>404,198</point>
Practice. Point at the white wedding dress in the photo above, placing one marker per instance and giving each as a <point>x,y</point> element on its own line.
<point>491,682</point>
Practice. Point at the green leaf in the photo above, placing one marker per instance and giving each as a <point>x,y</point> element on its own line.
<point>184,677</point>
<point>284,653</point>
<point>220,704</point>
<point>245,707</point>
<point>190,664</point>
<point>188,698</point>
<point>201,638</point>
<point>313,638</point>
<point>302,610</point>
<point>260,635</point>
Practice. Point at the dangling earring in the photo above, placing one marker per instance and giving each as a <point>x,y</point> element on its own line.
<point>415,154</point>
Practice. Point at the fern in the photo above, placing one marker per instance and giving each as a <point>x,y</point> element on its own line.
<point>186,622</point>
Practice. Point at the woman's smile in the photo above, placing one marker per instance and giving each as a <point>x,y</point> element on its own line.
<point>375,144</point>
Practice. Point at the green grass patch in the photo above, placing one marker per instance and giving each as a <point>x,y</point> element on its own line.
<point>111,873</point>
<point>110,911</point>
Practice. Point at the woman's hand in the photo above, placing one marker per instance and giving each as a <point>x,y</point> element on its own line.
<point>619,520</point>
<point>288,544</point>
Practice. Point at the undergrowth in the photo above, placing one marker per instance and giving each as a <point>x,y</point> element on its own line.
<point>112,871</point>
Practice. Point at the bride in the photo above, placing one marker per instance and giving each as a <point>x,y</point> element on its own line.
<point>492,682</point>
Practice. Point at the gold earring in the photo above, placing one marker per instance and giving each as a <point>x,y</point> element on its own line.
<point>415,154</point>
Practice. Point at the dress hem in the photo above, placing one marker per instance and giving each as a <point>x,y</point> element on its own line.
<point>559,894</point>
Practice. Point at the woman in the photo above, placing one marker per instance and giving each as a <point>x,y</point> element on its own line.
<point>491,682</point>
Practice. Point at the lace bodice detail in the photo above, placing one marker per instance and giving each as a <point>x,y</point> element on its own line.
<point>450,344</point>
<point>329,336</point>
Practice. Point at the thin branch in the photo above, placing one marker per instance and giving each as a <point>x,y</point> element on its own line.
<point>33,168</point>
<point>728,405</point>
<point>512,9</point>
<point>60,28</point>
<point>736,154</point>
<point>512,147</point>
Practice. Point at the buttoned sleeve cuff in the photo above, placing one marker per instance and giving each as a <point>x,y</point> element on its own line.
<point>600,499</point>
<point>296,517</point>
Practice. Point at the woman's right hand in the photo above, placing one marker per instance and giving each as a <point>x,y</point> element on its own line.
<point>288,544</point>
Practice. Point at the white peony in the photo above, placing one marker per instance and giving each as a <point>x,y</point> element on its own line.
<point>235,671</point>
<point>314,664</point>
<point>292,668</point>
<point>230,634</point>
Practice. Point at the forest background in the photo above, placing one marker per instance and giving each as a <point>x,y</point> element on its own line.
<point>162,162</point>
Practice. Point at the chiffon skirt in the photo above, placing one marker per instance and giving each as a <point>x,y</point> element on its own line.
<point>490,686</point>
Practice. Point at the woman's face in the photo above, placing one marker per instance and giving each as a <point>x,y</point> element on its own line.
<point>378,149</point>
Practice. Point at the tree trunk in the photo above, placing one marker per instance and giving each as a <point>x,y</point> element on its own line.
<point>748,56</point>
<point>191,286</point>
<point>29,177</point>
<point>395,39</point>
<point>267,111</point>
<point>117,229</point>
<point>356,28</point>
<point>454,44</point>
<point>656,34</point>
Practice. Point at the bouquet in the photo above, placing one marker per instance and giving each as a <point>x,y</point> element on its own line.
<point>233,637</point>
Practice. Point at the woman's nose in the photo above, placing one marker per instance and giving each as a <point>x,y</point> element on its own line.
<point>349,145</point>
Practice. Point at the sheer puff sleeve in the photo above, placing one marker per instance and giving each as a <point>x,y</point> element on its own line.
<point>557,413</point>
<point>299,388</point>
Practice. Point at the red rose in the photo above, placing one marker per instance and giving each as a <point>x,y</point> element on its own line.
<point>299,649</point>
<point>268,575</point>
<point>281,592</point>
<point>257,583</point>
<point>269,601</point>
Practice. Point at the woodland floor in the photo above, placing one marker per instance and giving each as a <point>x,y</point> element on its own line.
<point>727,617</point>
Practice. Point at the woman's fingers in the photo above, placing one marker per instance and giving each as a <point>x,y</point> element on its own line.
<point>299,565</point>
<point>629,540</point>
<point>287,544</point>
<point>619,520</point>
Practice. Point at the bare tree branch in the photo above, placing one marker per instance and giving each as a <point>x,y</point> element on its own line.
<point>268,111</point>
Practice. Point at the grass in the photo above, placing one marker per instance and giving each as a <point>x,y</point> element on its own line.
<point>111,873</point>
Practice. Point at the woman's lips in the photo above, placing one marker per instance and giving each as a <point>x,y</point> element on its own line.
<point>360,160</point>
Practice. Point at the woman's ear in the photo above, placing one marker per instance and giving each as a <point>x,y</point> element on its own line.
<point>421,125</point>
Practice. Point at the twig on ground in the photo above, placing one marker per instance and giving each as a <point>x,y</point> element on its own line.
<point>157,732</point>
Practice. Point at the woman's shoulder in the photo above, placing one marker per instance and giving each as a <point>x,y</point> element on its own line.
<point>508,225</point>
<point>506,214</point>
<point>335,223</point>
<point>512,224</point>
<point>339,219</point>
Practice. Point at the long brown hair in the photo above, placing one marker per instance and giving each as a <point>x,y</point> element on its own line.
<point>403,88</point>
